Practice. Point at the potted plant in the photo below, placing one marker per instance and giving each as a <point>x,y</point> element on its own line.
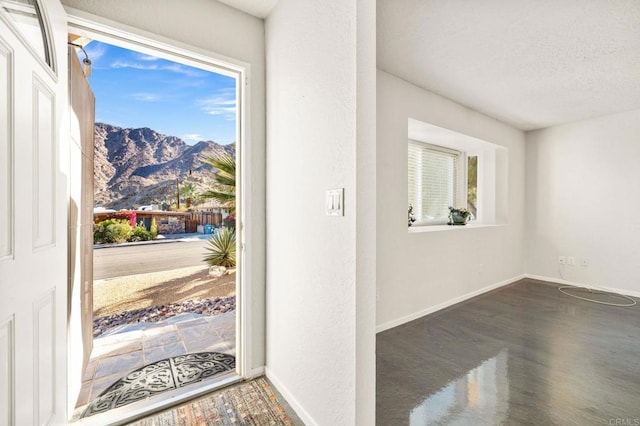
<point>458,216</point>
<point>412,217</point>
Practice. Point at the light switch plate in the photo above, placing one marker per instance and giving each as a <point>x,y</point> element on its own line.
<point>335,202</point>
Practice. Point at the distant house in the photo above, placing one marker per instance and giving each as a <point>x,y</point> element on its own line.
<point>166,222</point>
<point>207,213</point>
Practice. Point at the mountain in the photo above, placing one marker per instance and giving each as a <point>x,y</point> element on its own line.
<point>134,167</point>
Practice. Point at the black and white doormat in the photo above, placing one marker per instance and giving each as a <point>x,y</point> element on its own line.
<point>168,374</point>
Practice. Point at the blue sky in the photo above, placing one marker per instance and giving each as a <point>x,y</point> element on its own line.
<point>137,90</point>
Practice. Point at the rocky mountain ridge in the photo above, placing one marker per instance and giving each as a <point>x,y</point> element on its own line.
<point>134,167</point>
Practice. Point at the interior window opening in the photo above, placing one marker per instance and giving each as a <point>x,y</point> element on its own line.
<point>454,179</point>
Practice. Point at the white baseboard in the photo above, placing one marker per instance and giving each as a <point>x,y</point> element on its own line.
<point>403,320</point>
<point>256,372</point>
<point>293,402</point>
<point>578,284</point>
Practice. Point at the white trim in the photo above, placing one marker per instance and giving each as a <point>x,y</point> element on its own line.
<point>291,400</point>
<point>160,402</point>
<point>94,26</point>
<point>10,150</point>
<point>417,229</point>
<point>87,24</point>
<point>433,147</point>
<point>243,224</point>
<point>47,41</point>
<point>407,318</point>
<point>7,326</point>
<point>256,372</point>
<point>551,280</point>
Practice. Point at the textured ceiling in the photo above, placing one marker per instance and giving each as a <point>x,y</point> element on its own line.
<point>530,63</point>
<point>258,8</point>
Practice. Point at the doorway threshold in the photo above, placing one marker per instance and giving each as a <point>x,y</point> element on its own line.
<point>143,362</point>
<point>160,402</point>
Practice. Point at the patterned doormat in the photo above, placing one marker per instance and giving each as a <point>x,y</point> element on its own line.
<point>252,403</point>
<point>161,376</point>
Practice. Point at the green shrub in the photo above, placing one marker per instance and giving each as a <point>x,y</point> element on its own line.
<point>111,231</point>
<point>100,230</point>
<point>140,233</point>
<point>118,232</point>
<point>222,249</point>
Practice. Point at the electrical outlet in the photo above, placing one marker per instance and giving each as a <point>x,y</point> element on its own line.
<point>571,260</point>
<point>562,260</point>
<point>584,262</point>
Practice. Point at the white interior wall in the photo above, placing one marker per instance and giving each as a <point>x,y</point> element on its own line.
<point>420,272</point>
<point>222,30</point>
<point>582,201</point>
<point>321,135</point>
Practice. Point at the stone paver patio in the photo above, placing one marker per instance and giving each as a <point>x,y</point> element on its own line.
<point>129,347</point>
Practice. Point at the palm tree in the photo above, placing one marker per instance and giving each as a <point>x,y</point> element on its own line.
<point>188,191</point>
<point>224,187</point>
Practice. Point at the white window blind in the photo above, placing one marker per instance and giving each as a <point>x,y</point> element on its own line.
<point>432,181</point>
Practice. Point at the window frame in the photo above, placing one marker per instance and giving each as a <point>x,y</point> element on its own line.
<point>468,156</point>
<point>14,9</point>
<point>461,179</point>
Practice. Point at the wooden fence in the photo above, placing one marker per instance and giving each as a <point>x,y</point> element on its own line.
<point>194,219</point>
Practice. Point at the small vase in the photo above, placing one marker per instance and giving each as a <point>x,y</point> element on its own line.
<point>457,219</point>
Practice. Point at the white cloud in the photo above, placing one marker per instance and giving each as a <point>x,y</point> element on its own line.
<point>176,68</point>
<point>192,137</point>
<point>144,57</point>
<point>95,51</point>
<point>145,97</point>
<point>134,65</point>
<point>222,103</point>
<point>180,69</point>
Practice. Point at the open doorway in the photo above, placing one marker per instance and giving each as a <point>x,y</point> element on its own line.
<point>164,200</point>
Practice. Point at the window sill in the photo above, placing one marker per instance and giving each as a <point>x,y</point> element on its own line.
<point>437,228</point>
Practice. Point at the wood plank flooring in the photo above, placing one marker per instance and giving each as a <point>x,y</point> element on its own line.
<point>523,354</point>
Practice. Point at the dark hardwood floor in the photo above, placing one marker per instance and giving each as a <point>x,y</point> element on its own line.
<point>524,354</point>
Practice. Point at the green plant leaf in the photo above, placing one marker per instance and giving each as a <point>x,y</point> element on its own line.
<point>224,188</point>
<point>222,249</point>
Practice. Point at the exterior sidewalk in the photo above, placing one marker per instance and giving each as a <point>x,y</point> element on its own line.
<point>161,239</point>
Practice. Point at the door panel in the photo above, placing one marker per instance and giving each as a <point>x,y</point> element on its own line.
<point>44,352</point>
<point>33,219</point>
<point>6,154</point>
<point>6,372</point>
<point>44,166</point>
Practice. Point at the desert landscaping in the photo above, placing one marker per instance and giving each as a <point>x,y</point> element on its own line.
<point>158,296</point>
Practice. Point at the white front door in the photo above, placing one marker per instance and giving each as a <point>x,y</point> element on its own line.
<point>33,212</point>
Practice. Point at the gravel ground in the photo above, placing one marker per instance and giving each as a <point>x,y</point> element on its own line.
<point>115,295</point>
<point>212,306</point>
<point>158,296</point>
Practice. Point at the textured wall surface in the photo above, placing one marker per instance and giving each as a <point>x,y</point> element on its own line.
<point>582,187</point>
<point>311,257</point>
<point>418,271</point>
<point>532,64</point>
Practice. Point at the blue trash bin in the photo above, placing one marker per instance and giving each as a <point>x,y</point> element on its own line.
<point>208,229</point>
